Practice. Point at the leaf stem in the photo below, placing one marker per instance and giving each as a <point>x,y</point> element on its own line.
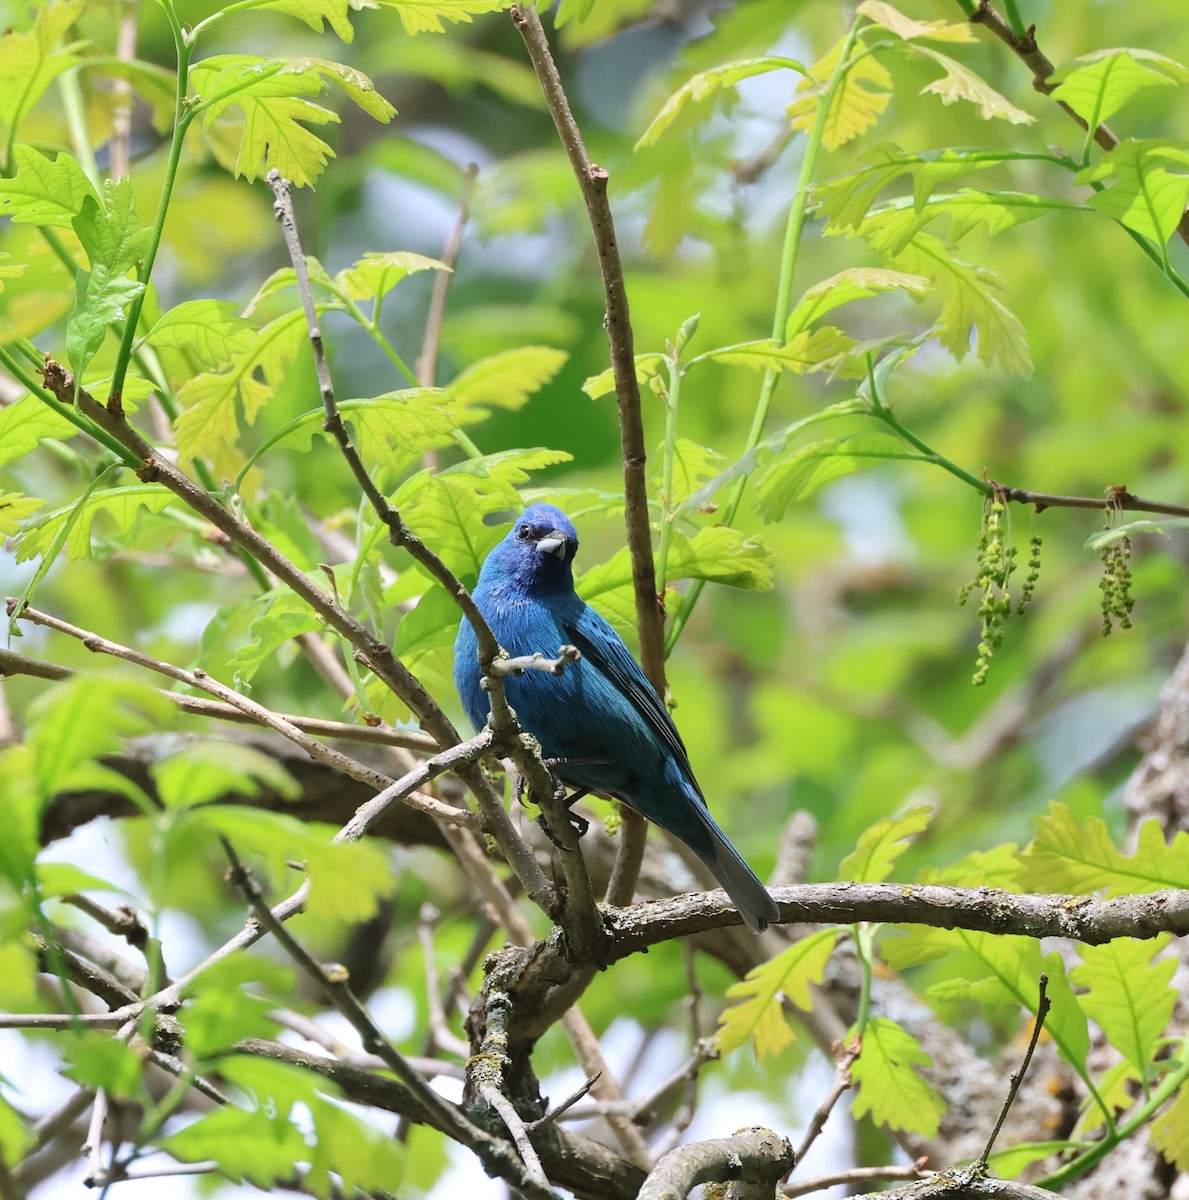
<point>182,118</point>
<point>794,227</point>
<point>668,513</point>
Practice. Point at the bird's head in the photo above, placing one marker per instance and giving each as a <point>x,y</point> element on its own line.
<point>538,550</point>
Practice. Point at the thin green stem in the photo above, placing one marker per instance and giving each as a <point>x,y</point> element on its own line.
<point>1014,19</point>
<point>76,123</point>
<point>181,122</point>
<point>794,227</point>
<point>14,367</point>
<point>371,325</point>
<point>1116,1134</point>
<point>668,514</point>
<point>230,10</point>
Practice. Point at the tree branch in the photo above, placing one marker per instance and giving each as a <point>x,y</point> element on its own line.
<point>592,180</point>
<point>755,1155</point>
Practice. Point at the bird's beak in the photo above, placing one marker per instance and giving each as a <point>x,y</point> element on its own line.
<point>554,542</point>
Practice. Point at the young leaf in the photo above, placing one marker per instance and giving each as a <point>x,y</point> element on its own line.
<point>272,94</point>
<point>855,283</point>
<point>209,425</point>
<point>809,350</point>
<point>220,1009</point>
<point>15,508</point>
<point>112,236</point>
<point>860,98</point>
<point>793,477</point>
<point>756,1009</point>
<point>44,191</point>
<point>888,1085</point>
<point>603,384</point>
<point>368,1160</point>
<point>30,62</point>
<point>285,617</point>
<point>693,465</point>
<point>17,1138</point>
<point>426,16</point>
<point>1104,537</point>
<point>123,505</point>
<point>100,1060</point>
<point>504,380</point>
<point>209,329</point>
<point>247,1145</point>
<point>374,275</point>
<point>1144,195</point>
<point>1127,995</point>
<point>1071,857</point>
<point>1097,85</point>
<point>1170,1130</point>
<point>905,27</point>
<point>346,878</point>
<point>211,770</point>
<point>879,847</point>
<point>314,13</point>
<point>961,83</point>
<point>708,83</point>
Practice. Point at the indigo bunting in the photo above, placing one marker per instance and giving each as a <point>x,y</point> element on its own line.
<point>600,723</point>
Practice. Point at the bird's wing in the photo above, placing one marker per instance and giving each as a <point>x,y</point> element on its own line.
<point>605,651</point>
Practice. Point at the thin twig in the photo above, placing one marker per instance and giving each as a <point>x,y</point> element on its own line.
<point>1024,47</point>
<point>516,1128</point>
<point>557,1111</point>
<point>840,1084</point>
<point>121,90</point>
<point>201,680</point>
<point>592,180</point>
<point>855,1175</point>
<point>1116,497</point>
<point>93,1146</point>
<point>12,663</point>
<point>337,990</point>
<point>1042,1010</point>
<point>441,1037</point>
<point>427,360</point>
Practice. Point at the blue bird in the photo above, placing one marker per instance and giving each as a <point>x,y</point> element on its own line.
<point>600,722</point>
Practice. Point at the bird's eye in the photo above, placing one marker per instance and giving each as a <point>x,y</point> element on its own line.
<point>523,533</point>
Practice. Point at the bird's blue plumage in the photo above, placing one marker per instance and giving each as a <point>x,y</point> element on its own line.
<point>601,716</point>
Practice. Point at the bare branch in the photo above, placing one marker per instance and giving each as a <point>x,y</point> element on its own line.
<point>1116,497</point>
<point>649,621</point>
<point>966,1184</point>
<point>841,1083</point>
<point>756,1156</point>
<point>855,1175</point>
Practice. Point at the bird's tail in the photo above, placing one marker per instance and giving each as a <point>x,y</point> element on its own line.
<point>751,898</point>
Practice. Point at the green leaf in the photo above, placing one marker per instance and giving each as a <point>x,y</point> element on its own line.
<point>905,27</point>
<point>216,769</point>
<point>603,384</point>
<point>879,847</point>
<point>426,16</point>
<point>999,969</point>
<point>100,1060</point>
<point>1144,195</point>
<point>366,1158</point>
<point>209,329</point>
<point>693,465</point>
<point>346,878</point>
<point>447,509</point>
<point>112,236</point>
<point>17,1138</point>
<point>252,1145</point>
<point>209,425</point>
<point>375,274</point>
<point>967,296</point>
<point>122,505</point>
<point>810,350</point>
<point>30,62</point>
<point>1169,1132</point>
<point>60,879</point>
<point>272,94</point>
<point>220,1009</point>
<point>432,624</point>
<point>15,508</point>
<point>44,191</point>
<point>284,617</point>
<point>755,1011</point>
<point>1127,995</point>
<point>10,270</point>
<point>314,13</point>
<point>504,381</point>
<point>860,99</point>
<point>1071,857</point>
<point>1097,85</point>
<point>961,83</point>
<point>888,1085</point>
<point>1103,537</point>
<point>796,475</point>
<point>709,83</point>
<point>855,283</point>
